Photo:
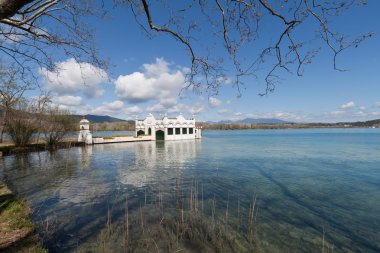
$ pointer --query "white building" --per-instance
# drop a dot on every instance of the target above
(166, 129)
(84, 132)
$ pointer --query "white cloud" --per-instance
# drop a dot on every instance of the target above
(214, 102)
(225, 111)
(228, 102)
(197, 108)
(278, 115)
(133, 110)
(377, 104)
(156, 82)
(157, 68)
(67, 100)
(336, 113)
(70, 77)
(115, 105)
(108, 108)
(234, 115)
(360, 114)
(348, 105)
(156, 108)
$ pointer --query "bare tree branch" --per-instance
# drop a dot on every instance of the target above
(237, 31)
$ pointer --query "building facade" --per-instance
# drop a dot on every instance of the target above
(84, 131)
(167, 129)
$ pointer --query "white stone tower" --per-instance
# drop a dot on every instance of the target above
(84, 132)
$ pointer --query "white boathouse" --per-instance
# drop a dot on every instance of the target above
(167, 129)
(149, 129)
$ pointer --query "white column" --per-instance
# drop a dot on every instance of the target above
(153, 133)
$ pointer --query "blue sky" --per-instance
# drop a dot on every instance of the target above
(147, 75)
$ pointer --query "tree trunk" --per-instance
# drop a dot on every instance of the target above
(2, 125)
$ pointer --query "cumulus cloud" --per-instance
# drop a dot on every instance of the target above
(159, 108)
(196, 108)
(133, 110)
(214, 102)
(67, 100)
(70, 77)
(156, 82)
(348, 105)
(109, 108)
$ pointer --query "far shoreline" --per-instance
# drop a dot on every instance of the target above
(7, 149)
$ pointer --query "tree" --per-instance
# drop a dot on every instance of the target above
(32, 31)
(234, 25)
(22, 123)
(12, 90)
(55, 125)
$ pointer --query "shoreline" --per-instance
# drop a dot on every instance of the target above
(7, 149)
(10, 149)
(17, 231)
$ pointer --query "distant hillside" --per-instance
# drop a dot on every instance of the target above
(263, 121)
(100, 119)
(280, 124)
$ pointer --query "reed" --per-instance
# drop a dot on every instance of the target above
(192, 223)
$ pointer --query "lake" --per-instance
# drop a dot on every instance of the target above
(308, 190)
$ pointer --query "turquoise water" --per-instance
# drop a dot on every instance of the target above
(316, 190)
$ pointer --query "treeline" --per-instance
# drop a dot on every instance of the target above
(36, 121)
(242, 126)
(28, 120)
(369, 123)
(114, 126)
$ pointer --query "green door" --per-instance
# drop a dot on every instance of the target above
(160, 135)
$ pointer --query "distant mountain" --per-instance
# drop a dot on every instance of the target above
(100, 119)
(253, 121)
(263, 121)
(225, 122)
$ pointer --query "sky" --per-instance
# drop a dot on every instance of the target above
(147, 75)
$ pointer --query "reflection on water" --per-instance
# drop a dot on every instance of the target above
(169, 156)
(315, 189)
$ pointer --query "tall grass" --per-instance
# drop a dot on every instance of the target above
(190, 223)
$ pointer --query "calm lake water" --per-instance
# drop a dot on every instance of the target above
(313, 190)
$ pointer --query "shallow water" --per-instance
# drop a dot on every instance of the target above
(318, 190)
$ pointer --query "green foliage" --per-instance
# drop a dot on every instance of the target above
(17, 233)
(17, 209)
